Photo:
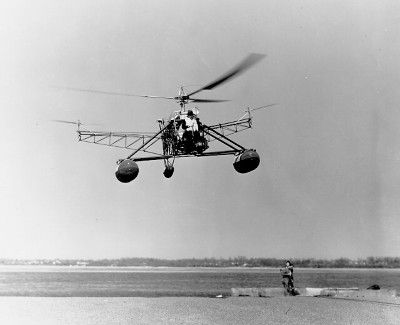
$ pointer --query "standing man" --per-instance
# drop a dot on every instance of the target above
(287, 275)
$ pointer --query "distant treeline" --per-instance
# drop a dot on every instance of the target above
(370, 262)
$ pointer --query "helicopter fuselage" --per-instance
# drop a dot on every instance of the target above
(181, 138)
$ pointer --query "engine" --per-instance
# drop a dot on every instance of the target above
(247, 161)
(127, 171)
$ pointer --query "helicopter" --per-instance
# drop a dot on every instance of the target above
(182, 134)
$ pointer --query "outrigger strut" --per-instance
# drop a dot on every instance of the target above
(146, 143)
(230, 143)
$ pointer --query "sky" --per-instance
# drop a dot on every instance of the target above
(328, 184)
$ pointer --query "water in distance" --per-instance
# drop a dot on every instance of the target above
(156, 282)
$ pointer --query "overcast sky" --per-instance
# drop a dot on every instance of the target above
(329, 180)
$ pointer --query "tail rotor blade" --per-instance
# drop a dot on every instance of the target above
(261, 107)
(79, 123)
(67, 122)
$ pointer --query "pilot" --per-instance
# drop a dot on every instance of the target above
(191, 127)
(191, 122)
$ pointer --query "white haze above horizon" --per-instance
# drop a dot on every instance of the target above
(328, 184)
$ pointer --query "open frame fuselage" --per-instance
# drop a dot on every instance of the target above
(178, 141)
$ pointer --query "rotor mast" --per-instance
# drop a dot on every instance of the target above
(183, 99)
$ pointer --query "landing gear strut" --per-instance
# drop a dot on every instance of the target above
(169, 168)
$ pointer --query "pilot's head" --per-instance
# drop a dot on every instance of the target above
(190, 113)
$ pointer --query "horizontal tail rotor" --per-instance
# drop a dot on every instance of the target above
(249, 110)
(261, 107)
(78, 123)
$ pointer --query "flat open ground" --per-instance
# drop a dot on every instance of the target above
(177, 310)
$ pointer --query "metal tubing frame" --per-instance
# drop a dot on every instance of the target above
(207, 129)
(113, 139)
(236, 148)
(237, 123)
(206, 154)
(147, 142)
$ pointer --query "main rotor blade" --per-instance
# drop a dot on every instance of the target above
(198, 100)
(250, 60)
(111, 93)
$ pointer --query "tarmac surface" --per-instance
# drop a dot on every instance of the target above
(193, 310)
